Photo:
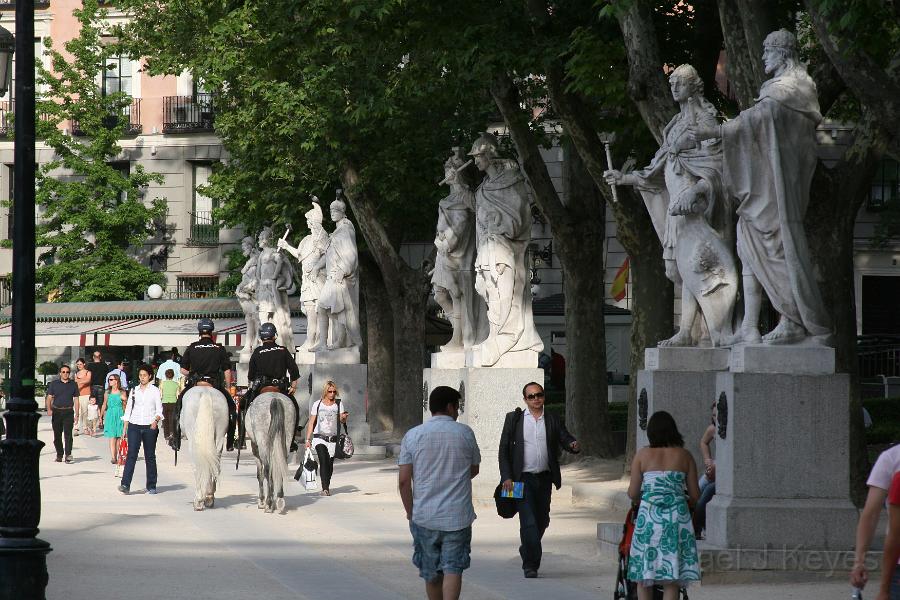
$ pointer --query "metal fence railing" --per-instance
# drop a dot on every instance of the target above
(204, 230)
(188, 114)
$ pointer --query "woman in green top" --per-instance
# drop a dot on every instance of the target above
(111, 414)
(169, 389)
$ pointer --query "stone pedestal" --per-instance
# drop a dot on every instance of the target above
(521, 359)
(448, 359)
(681, 381)
(782, 455)
(487, 395)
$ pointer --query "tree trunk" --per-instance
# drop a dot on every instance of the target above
(409, 301)
(652, 318)
(835, 199)
(379, 344)
(582, 249)
(408, 298)
(652, 293)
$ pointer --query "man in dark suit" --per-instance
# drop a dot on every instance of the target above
(529, 452)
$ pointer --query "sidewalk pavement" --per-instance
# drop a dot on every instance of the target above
(354, 544)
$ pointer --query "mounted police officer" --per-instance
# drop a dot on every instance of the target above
(272, 367)
(206, 362)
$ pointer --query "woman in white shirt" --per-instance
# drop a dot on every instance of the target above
(322, 432)
(143, 414)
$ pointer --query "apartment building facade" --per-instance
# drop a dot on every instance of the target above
(170, 130)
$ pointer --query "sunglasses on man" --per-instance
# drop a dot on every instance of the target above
(535, 395)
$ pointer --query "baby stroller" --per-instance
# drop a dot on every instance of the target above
(627, 590)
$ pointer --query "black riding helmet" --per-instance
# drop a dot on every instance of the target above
(267, 331)
(206, 326)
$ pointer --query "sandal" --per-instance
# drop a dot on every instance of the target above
(326, 493)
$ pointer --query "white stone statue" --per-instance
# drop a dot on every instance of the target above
(503, 230)
(338, 304)
(275, 281)
(452, 277)
(682, 189)
(309, 254)
(769, 152)
(246, 294)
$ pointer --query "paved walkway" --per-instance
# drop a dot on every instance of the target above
(355, 544)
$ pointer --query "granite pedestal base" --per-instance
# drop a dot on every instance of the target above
(682, 382)
(782, 461)
(487, 395)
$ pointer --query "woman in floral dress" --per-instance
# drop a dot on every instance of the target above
(663, 549)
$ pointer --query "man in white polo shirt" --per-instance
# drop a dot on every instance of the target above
(438, 460)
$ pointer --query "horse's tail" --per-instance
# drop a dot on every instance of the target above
(206, 454)
(277, 451)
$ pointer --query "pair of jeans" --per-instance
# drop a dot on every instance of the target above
(168, 416)
(326, 465)
(138, 435)
(62, 420)
(534, 517)
(706, 494)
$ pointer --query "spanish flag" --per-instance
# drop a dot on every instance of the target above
(620, 282)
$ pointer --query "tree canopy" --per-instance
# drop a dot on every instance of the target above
(93, 218)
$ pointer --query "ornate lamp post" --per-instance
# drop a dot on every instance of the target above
(23, 557)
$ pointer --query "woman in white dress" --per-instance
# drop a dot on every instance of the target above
(322, 431)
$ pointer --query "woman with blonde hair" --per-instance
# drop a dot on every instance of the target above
(322, 432)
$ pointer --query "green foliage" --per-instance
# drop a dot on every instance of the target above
(48, 367)
(93, 217)
(309, 88)
(885, 413)
(236, 260)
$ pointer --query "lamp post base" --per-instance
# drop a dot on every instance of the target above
(23, 568)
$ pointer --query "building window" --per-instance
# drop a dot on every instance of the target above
(117, 75)
(124, 169)
(204, 230)
(10, 217)
(5, 290)
(885, 185)
(197, 286)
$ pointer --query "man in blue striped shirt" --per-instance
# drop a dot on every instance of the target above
(441, 456)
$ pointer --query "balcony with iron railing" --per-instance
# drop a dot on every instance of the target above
(204, 230)
(129, 116)
(188, 114)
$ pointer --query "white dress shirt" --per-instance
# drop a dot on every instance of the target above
(534, 431)
(144, 405)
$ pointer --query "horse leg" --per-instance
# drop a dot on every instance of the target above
(259, 477)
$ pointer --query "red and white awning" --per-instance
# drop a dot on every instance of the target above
(135, 332)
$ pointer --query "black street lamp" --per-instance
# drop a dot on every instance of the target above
(23, 557)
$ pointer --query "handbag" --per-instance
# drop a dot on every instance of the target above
(310, 469)
(343, 447)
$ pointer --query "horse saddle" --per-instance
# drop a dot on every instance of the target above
(269, 388)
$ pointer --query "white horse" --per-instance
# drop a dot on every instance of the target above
(270, 421)
(204, 420)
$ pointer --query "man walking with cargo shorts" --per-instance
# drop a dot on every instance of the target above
(441, 456)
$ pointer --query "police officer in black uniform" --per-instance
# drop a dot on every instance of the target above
(206, 360)
(272, 365)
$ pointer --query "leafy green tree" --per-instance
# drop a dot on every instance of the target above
(48, 367)
(321, 95)
(93, 220)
